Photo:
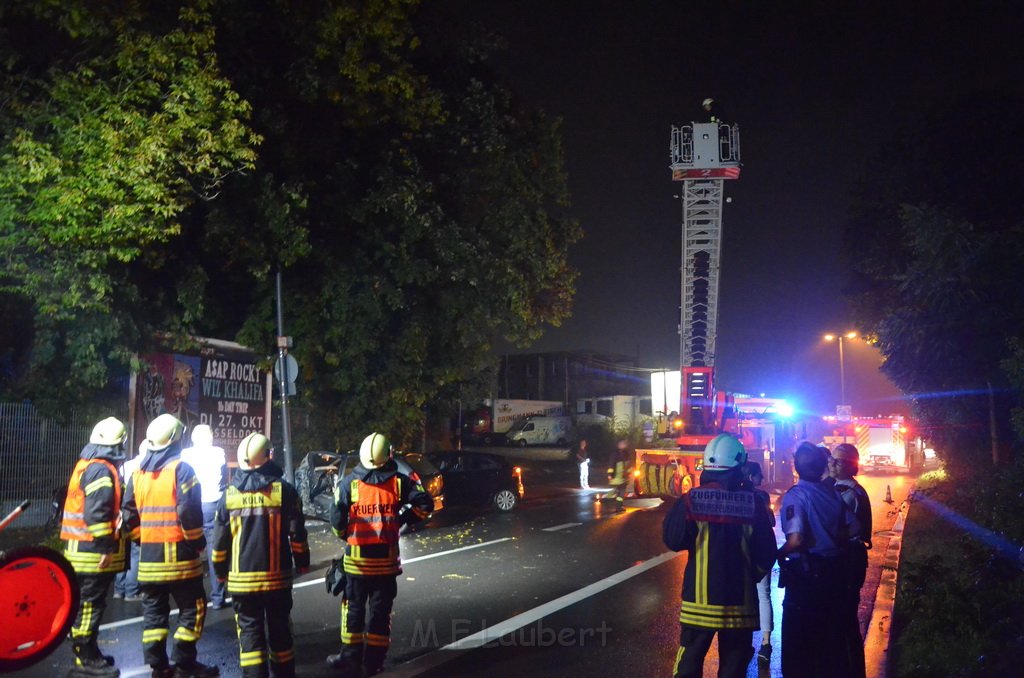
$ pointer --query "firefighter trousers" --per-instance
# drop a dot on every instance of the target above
(190, 597)
(265, 633)
(93, 589)
(366, 620)
(734, 652)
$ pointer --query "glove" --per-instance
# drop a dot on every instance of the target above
(334, 580)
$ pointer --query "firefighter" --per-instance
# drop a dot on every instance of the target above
(619, 474)
(843, 465)
(259, 533)
(713, 110)
(163, 511)
(370, 506)
(729, 536)
(91, 529)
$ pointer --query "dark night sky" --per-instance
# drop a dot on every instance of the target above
(816, 88)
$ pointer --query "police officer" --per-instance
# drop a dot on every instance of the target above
(728, 532)
(370, 505)
(163, 511)
(259, 532)
(91, 529)
(844, 464)
(817, 526)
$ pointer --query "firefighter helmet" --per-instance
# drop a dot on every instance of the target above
(723, 453)
(375, 451)
(254, 451)
(163, 432)
(109, 432)
(202, 435)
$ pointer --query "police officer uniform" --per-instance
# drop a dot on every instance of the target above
(91, 530)
(817, 527)
(259, 532)
(163, 511)
(368, 510)
(728, 532)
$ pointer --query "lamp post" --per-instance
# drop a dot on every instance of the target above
(842, 367)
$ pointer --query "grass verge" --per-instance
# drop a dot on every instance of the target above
(960, 599)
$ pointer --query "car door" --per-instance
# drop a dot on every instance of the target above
(483, 474)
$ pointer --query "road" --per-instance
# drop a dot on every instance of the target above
(561, 586)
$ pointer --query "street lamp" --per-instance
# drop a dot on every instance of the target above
(842, 369)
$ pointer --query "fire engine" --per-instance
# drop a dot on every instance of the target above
(881, 441)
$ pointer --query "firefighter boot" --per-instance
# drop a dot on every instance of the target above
(345, 664)
(90, 662)
(195, 670)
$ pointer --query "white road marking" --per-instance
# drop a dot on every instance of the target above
(563, 526)
(494, 633)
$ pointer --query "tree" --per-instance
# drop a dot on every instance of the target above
(112, 127)
(416, 210)
(932, 248)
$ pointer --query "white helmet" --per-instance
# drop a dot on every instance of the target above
(110, 432)
(202, 436)
(723, 453)
(707, 102)
(163, 432)
(375, 451)
(253, 452)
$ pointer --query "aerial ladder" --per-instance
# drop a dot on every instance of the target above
(703, 156)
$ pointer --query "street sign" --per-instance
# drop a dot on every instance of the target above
(291, 369)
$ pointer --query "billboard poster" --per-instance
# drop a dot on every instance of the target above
(220, 385)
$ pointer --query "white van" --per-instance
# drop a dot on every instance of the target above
(542, 431)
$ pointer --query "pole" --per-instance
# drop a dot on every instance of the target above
(842, 373)
(282, 354)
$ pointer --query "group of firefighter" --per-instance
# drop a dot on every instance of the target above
(259, 543)
(727, 524)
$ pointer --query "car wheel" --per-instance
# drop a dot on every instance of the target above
(522, 442)
(505, 500)
(561, 442)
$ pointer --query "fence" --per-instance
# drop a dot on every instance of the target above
(37, 455)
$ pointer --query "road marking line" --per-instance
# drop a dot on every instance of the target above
(560, 527)
(458, 648)
(313, 582)
(495, 632)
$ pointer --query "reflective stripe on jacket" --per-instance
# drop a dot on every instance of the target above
(731, 543)
(373, 525)
(91, 522)
(167, 522)
(257, 536)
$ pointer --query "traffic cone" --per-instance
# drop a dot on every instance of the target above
(888, 495)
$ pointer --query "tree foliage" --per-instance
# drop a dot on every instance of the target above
(935, 242)
(415, 209)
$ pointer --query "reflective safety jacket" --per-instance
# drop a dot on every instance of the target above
(259, 532)
(370, 506)
(91, 526)
(163, 512)
(728, 532)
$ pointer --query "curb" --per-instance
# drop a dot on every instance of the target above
(876, 644)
